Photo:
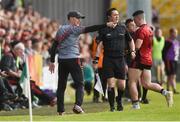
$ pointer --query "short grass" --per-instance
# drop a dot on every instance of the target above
(157, 110)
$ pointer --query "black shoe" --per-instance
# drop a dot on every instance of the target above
(104, 99)
(96, 100)
(120, 107)
(61, 113)
(119, 104)
(145, 101)
(112, 109)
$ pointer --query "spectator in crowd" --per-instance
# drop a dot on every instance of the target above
(8, 4)
(10, 64)
(7, 96)
(6, 92)
(155, 16)
(171, 56)
(25, 25)
(158, 45)
(45, 54)
(28, 47)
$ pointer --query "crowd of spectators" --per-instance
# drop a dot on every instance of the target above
(35, 32)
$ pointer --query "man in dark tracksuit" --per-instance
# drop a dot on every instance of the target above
(66, 42)
(113, 40)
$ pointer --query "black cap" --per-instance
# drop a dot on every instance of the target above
(14, 43)
(75, 14)
(138, 12)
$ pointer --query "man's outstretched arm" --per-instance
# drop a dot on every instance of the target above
(79, 29)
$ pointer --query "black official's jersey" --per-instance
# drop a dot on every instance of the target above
(114, 40)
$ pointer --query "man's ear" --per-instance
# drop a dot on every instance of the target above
(108, 17)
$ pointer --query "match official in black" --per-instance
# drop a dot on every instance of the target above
(113, 42)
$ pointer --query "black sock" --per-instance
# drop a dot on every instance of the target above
(161, 91)
(120, 94)
(111, 96)
(135, 101)
(144, 93)
(139, 90)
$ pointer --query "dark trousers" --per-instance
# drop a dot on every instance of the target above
(71, 66)
(2, 87)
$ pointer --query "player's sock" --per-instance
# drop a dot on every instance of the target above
(144, 93)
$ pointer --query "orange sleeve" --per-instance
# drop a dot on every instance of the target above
(94, 48)
(100, 62)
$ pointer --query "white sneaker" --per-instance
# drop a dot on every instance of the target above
(169, 98)
(78, 110)
(136, 106)
(34, 105)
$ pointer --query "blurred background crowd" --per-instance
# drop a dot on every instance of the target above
(34, 23)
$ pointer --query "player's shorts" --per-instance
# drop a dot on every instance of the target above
(170, 67)
(137, 65)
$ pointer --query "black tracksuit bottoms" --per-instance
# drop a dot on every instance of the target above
(73, 67)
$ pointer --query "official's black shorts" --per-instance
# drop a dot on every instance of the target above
(114, 67)
(170, 67)
(137, 65)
